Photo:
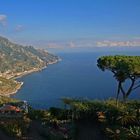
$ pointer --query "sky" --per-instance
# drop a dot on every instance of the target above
(43, 21)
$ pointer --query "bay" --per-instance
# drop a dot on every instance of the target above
(76, 76)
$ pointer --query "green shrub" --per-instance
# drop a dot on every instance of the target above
(17, 127)
(134, 132)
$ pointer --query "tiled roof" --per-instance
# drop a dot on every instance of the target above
(10, 108)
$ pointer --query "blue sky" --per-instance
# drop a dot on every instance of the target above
(32, 20)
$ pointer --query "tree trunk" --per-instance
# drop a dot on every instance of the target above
(128, 92)
(118, 92)
(130, 88)
(123, 92)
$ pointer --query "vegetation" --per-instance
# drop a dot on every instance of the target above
(4, 100)
(15, 127)
(16, 58)
(124, 68)
(122, 122)
(55, 126)
(117, 122)
(8, 86)
(113, 122)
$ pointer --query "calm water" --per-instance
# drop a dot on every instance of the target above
(75, 76)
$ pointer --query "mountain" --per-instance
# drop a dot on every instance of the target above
(15, 58)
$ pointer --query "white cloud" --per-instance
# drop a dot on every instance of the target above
(3, 19)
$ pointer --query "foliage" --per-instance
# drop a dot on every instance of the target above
(55, 123)
(8, 86)
(35, 114)
(82, 109)
(58, 130)
(117, 133)
(60, 114)
(134, 132)
(127, 119)
(118, 122)
(15, 127)
(4, 100)
(115, 120)
(124, 68)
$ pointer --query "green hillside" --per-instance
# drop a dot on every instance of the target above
(17, 58)
(8, 86)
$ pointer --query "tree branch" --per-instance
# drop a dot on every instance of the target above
(136, 87)
(118, 92)
(131, 87)
(137, 83)
(122, 90)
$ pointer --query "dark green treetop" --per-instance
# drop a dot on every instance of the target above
(124, 68)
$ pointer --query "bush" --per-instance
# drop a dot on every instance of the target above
(15, 127)
(134, 132)
(60, 114)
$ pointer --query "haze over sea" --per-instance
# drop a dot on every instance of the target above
(77, 76)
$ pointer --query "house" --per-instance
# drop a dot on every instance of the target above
(14, 110)
(9, 110)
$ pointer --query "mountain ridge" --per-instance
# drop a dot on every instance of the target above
(18, 60)
(15, 58)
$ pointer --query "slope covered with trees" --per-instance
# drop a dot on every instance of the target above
(17, 58)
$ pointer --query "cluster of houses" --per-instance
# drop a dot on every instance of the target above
(14, 110)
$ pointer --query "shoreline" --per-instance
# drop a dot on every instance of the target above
(14, 92)
(34, 70)
(28, 72)
(21, 74)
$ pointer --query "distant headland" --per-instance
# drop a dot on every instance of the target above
(17, 60)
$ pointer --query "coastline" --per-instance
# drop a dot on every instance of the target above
(21, 74)
(14, 92)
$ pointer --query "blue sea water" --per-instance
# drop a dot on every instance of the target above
(77, 76)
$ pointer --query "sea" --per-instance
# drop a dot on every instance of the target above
(76, 76)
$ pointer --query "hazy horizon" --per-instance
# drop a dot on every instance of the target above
(69, 24)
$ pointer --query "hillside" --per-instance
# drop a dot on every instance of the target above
(5, 99)
(16, 58)
(8, 86)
